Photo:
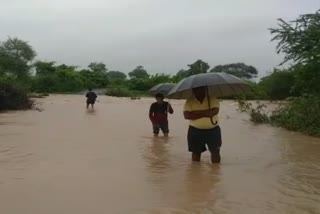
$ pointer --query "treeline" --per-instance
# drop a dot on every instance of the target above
(17, 66)
(52, 78)
(19, 71)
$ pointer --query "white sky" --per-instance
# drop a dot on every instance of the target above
(163, 36)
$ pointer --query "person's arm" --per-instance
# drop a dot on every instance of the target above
(170, 109)
(194, 115)
(190, 114)
(151, 113)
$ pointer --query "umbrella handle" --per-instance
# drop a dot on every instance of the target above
(207, 92)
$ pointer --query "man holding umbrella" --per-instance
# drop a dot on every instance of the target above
(204, 125)
(202, 108)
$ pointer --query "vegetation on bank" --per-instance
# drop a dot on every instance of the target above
(299, 41)
(13, 95)
(15, 62)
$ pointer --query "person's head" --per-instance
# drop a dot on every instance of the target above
(159, 97)
(199, 92)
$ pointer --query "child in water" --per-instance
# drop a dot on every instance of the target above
(158, 115)
(91, 98)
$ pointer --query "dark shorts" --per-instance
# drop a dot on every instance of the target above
(163, 126)
(199, 138)
(91, 102)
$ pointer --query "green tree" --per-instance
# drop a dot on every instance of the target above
(278, 85)
(116, 75)
(98, 67)
(43, 67)
(240, 70)
(66, 67)
(139, 73)
(15, 57)
(256, 92)
(181, 75)
(299, 41)
(198, 67)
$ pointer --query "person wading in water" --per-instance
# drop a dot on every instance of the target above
(202, 113)
(91, 98)
(158, 115)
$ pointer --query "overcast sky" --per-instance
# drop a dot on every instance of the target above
(162, 35)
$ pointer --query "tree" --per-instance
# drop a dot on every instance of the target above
(299, 39)
(240, 70)
(116, 75)
(15, 57)
(198, 67)
(182, 74)
(98, 67)
(66, 67)
(43, 67)
(279, 84)
(139, 73)
(300, 43)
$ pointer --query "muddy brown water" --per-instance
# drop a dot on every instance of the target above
(69, 160)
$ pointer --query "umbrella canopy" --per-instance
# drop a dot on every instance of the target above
(219, 85)
(162, 88)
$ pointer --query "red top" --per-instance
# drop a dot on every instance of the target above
(159, 112)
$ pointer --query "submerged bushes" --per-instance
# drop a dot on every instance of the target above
(300, 114)
(296, 114)
(13, 96)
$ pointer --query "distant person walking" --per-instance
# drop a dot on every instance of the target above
(158, 115)
(91, 98)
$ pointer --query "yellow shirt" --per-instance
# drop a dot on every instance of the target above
(194, 105)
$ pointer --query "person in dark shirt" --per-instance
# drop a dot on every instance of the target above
(91, 98)
(158, 115)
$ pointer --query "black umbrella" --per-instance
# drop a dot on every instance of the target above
(218, 84)
(162, 88)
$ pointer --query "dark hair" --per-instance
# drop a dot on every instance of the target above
(159, 95)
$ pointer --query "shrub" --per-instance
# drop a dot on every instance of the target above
(299, 114)
(13, 96)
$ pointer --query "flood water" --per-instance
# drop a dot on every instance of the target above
(67, 160)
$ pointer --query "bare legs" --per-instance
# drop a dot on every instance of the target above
(215, 157)
(196, 157)
(164, 134)
(92, 105)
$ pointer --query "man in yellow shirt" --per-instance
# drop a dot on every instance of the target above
(204, 125)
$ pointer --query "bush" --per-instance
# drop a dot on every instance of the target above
(278, 85)
(119, 92)
(61, 81)
(13, 96)
(296, 114)
(299, 114)
(257, 115)
(125, 92)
